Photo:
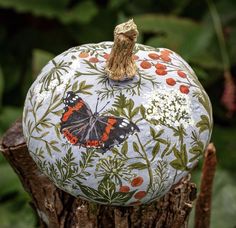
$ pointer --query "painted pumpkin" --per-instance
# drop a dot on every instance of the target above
(117, 123)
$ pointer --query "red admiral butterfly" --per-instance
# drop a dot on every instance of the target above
(83, 128)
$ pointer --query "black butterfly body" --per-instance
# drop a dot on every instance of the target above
(83, 128)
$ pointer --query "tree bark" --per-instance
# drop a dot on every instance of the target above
(56, 208)
(203, 203)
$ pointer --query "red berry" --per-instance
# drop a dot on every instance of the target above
(106, 56)
(137, 181)
(184, 89)
(135, 57)
(124, 188)
(161, 72)
(140, 195)
(181, 74)
(170, 81)
(145, 65)
(166, 52)
(93, 60)
(83, 54)
(165, 58)
(153, 56)
(160, 66)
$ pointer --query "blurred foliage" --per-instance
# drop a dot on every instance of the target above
(32, 32)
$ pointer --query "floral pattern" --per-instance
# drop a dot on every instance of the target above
(165, 100)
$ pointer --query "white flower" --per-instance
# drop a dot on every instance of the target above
(169, 107)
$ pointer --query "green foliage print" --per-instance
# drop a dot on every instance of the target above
(66, 170)
(180, 152)
(110, 89)
(206, 121)
(197, 146)
(39, 127)
(125, 107)
(82, 87)
(114, 168)
(160, 177)
(54, 75)
(106, 193)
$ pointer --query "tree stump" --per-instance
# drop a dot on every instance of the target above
(56, 208)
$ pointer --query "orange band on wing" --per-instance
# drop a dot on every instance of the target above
(93, 143)
(70, 110)
(110, 123)
(71, 138)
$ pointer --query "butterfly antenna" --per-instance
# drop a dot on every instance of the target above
(96, 109)
(104, 106)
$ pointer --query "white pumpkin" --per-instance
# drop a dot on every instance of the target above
(117, 127)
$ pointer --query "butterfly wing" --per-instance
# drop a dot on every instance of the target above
(75, 119)
(82, 128)
(109, 131)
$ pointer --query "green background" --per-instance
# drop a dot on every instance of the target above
(32, 32)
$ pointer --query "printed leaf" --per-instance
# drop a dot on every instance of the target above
(75, 86)
(122, 197)
(204, 123)
(83, 88)
(197, 150)
(181, 158)
(155, 150)
(135, 146)
(184, 155)
(124, 148)
(90, 192)
(152, 132)
(142, 111)
(205, 102)
(48, 149)
(134, 112)
(138, 165)
(177, 164)
(107, 187)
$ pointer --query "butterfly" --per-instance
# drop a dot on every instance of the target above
(82, 127)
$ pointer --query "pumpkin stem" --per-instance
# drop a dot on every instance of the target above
(121, 65)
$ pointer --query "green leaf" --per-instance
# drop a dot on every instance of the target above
(136, 147)
(181, 160)
(184, 155)
(55, 148)
(142, 111)
(152, 132)
(89, 192)
(107, 187)
(197, 150)
(124, 148)
(155, 150)
(115, 150)
(48, 149)
(75, 86)
(177, 164)
(134, 112)
(204, 100)
(122, 197)
(204, 123)
(138, 165)
(83, 88)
